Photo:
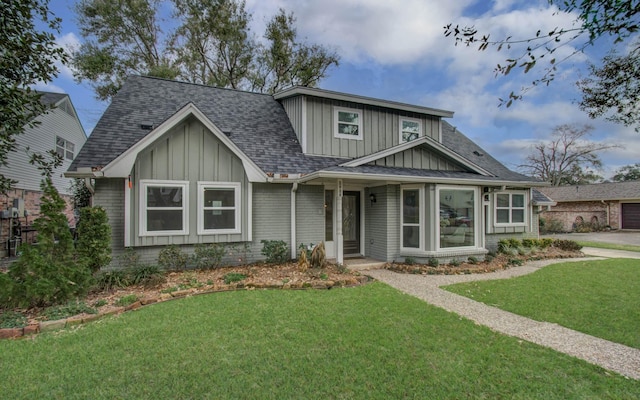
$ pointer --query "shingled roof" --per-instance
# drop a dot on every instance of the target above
(600, 191)
(256, 123)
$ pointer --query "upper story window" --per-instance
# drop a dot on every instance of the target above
(164, 208)
(218, 207)
(65, 148)
(410, 129)
(347, 123)
(510, 208)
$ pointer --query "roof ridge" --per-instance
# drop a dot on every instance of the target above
(197, 84)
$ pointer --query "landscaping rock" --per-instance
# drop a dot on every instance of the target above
(47, 326)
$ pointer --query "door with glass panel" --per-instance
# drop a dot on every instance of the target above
(351, 222)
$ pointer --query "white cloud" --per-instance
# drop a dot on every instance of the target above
(70, 43)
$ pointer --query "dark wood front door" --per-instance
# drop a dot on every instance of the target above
(351, 222)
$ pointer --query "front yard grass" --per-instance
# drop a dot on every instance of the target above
(600, 298)
(612, 246)
(367, 342)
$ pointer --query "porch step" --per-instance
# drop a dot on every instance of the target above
(362, 264)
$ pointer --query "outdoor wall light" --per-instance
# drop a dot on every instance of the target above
(372, 197)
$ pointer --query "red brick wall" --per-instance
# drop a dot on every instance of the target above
(32, 200)
(567, 213)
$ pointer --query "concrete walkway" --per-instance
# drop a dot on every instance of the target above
(615, 357)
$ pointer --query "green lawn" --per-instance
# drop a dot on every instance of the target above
(601, 298)
(613, 246)
(369, 342)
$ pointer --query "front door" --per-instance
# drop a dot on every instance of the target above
(351, 222)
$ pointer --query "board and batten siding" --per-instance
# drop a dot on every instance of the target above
(41, 139)
(189, 152)
(419, 158)
(380, 126)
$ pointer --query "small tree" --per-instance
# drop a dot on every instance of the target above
(94, 238)
(627, 173)
(47, 273)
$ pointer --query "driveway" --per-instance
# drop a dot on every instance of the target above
(616, 237)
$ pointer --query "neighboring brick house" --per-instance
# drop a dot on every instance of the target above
(59, 129)
(615, 205)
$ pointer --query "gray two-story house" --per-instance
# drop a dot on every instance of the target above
(187, 164)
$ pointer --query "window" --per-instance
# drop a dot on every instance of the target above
(457, 210)
(510, 209)
(218, 207)
(164, 208)
(347, 123)
(410, 129)
(65, 148)
(328, 215)
(411, 213)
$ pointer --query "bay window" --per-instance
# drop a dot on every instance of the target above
(457, 217)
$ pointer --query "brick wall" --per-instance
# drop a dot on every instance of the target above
(607, 213)
(32, 200)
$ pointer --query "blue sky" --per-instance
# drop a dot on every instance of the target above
(396, 50)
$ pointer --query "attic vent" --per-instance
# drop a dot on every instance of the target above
(227, 132)
(147, 126)
(476, 152)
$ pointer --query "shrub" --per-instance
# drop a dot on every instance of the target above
(550, 225)
(234, 277)
(566, 245)
(126, 300)
(68, 310)
(146, 275)
(515, 262)
(109, 280)
(318, 256)
(546, 242)
(472, 260)
(275, 251)
(208, 256)
(529, 243)
(172, 258)
(433, 262)
(94, 237)
(12, 319)
(455, 262)
(409, 260)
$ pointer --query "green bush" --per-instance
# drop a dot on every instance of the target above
(546, 242)
(94, 237)
(455, 262)
(472, 260)
(566, 245)
(433, 262)
(234, 277)
(68, 310)
(550, 225)
(275, 251)
(172, 258)
(12, 319)
(109, 280)
(409, 260)
(208, 256)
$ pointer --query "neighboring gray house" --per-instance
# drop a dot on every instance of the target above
(180, 163)
(612, 204)
(58, 129)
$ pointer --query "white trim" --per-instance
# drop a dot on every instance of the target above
(142, 206)
(400, 127)
(510, 208)
(303, 132)
(425, 140)
(327, 94)
(477, 211)
(249, 212)
(421, 218)
(294, 247)
(337, 122)
(237, 207)
(127, 214)
(121, 166)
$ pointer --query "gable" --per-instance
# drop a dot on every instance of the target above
(419, 158)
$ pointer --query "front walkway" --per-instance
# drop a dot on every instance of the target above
(615, 357)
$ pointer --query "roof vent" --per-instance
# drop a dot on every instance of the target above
(147, 126)
(476, 152)
(227, 132)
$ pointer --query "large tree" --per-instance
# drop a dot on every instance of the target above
(627, 173)
(121, 38)
(568, 158)
(210, 43)
(612, 88)
(27, 56)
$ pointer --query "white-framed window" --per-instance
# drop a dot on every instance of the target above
(164, 208)
(410, 129)
(65, 148)
(457, 212)
(510, 209)
(218, 208)
(347, 123)
(411, 217)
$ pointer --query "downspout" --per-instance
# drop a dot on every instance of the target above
(294, 189)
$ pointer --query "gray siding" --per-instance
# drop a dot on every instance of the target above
(271, 214)
(40, 139)
(380, 129)
(382, 229)
(293, 106)
(190, 153)
(309, 214)
(110, 195)
(419, 158)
